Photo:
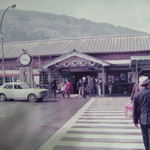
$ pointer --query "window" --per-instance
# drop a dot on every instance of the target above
(17, 87)
(25, 86)
(8, 79)
(66, 64)
(58, 64)
(83, 62)
(74, 63)
(92, 63)
(8, 86)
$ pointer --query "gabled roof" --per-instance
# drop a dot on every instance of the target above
(100, 44)
(78, 54)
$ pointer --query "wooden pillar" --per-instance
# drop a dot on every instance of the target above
(136, 71)
(103, 81)
(26, 75)
(49, 81)
(22, 74)
(39, 61)
(30, 77)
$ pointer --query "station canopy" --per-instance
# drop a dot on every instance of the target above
(141, 62)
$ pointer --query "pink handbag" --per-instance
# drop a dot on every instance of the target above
(129, 109)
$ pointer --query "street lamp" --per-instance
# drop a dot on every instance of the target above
(1, 34)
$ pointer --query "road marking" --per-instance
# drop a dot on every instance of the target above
(91, 128)
(106, 130)
(53, 141)
(104, 124)
(104, 136)
(100, 117)
(106, 120)
(102, 144)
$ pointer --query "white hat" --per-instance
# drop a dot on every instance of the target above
(143, 80)
(83, 78)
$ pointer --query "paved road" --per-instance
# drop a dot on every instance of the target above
(68, 124)
(26, 126)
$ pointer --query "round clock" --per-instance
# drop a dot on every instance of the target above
(25, 59)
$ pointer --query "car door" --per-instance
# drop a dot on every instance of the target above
(8, 91)
(19, 92)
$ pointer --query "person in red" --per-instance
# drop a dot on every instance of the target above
(68, 88)
(136, 88)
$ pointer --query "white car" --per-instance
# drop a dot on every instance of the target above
(21, 91)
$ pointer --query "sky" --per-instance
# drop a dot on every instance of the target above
(133, 14)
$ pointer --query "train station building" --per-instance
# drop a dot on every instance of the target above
(116, 59)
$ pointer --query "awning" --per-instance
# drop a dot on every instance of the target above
(147, 57)
(15, 73)
(119, 62)
(140, 61)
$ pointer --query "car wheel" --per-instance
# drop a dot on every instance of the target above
(32, 98)
(3, 97)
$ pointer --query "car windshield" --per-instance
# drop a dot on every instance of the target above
(25, 86)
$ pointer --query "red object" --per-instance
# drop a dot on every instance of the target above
(68, 89)
(129, 110)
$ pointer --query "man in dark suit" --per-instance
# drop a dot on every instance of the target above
(141, 110)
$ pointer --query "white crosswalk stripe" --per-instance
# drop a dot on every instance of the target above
(94, 129)
(105, 132)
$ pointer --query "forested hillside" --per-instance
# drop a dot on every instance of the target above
(21, 25)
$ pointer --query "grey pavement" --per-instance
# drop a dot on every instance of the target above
(68, 124)
(26, 126)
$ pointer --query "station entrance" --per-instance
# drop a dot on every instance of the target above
(73, 66)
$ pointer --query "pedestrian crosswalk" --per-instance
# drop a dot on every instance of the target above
(97, 128)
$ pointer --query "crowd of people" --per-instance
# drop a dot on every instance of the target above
(92, 87)
(82, 87)
(64, 88)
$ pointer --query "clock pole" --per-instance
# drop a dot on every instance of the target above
(26, 72)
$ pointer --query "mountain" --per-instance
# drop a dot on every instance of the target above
(19, 25)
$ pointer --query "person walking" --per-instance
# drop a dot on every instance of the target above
(92, 87)
(110, 87)
(68, 88)
(99, 87)
(84, 87)
(54, 88)
(79, 87)
(129, 106)
(62, 88)
(135, 89)
(141, 110)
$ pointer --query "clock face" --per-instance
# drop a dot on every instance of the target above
(25, 59)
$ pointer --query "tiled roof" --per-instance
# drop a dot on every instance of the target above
(106, 44)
